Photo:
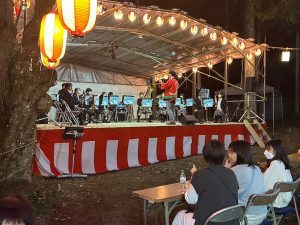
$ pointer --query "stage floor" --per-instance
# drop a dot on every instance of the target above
(134, 124)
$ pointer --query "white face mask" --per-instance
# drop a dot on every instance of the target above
(268, 155)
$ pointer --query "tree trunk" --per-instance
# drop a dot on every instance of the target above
(28, 83)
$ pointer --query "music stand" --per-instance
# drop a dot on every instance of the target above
(73, 133)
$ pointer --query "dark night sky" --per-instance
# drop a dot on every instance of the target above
(280, 75)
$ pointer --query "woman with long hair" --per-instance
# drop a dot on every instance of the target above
(278, 171)
(249, 177)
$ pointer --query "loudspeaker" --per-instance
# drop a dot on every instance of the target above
(250, 84)
(188, 120)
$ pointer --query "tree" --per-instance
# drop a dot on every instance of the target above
(23, 87)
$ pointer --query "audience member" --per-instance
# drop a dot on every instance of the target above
(249, 177)
(212, 188)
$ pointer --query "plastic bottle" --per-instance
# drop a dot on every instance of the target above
(183, 182)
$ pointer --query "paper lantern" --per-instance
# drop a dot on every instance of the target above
(77, 16)
(49, 65)
(204, 31)
(159, 21)
(213, 36)
(183, 24)
(132, 16)
(224, 40)
(146, 18)
(172, 20)
(52, 37)
(194, 30)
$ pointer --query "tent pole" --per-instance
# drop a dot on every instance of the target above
(273, 112)
(282, 124)
(226, 79)
(264, 79)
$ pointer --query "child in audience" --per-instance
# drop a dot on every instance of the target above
(249, 177)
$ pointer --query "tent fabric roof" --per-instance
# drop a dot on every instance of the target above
(75, 73)
(236, 91)
(136, 49)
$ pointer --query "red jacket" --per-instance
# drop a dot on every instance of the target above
(170, 89)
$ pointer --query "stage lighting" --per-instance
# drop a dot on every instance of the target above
(172, 20)
(204, 31)
(118, 14)
(194, 30)
(285, 56)
(159, 21)
(146, 18)
(257, 52)
(235, 41)
(224, 40)
(229, 60)
(242, 46)
(183, 24)
(179, 75)
(249, 56)
(132, 16)
(210, 65)
(213, 36)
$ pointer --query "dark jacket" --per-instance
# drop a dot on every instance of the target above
(68, 98)
(217, 188)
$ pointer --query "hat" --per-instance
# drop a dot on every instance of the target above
(172, 72)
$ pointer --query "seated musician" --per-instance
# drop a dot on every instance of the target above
(220, 107)
(181, 109)
(104, 109)
(62, 91)
(76, 96)
(68, 98)
(89, 105)
(162, 111)
(199, 109)
(143, 110)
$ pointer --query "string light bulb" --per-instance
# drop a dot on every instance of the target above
(183, 24)
(118, 14)
(210, 65)
(249, 56)
(235, 41)
(159, 21)
(204, 31)
(101, 9)
(195, 69)
(132, 16)
(213, 36)
(224, 40)
(179, 75)
(285, 56)
(172, 20)
(242, 46)
(194, 30)
(257, 52)
(146, 18)
(229, 60)
(166, 76)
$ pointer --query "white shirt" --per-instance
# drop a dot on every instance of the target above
(191, 195)
(219, 104)
(277, 173)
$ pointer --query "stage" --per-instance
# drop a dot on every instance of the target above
(117, 146)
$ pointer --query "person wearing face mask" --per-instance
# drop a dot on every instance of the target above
(278, 171)
(249, 177)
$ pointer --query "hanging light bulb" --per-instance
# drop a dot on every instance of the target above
(101, 9)
(285, 56)
(172, 20)
(27, 3)
(229, 60)
(183, 24)
(194, 30)
(213, 36)
(166, 76)
(159, 21)
(210, 65)
(195, 69)
(179, 75)
(77, 16)
(249, 56)
(204, 31)
(224, 40)
(242, 46)
(118, 14)
(235, 41)
(257, 52)
(132, 16)
(146, 18)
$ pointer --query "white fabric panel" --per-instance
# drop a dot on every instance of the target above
(170, 148)
(112, 155)
(241, 137)
(214, 137)
(227, 141)
(61, 157)
(187, 146)
(201, 143)
(133, 153)
(88, 157)
(43, 162)
(152, 150)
